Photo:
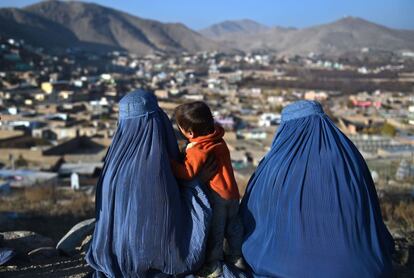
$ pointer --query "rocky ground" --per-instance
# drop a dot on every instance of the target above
(404, 254)
(39, 256)
(34, 231)
(36, 255)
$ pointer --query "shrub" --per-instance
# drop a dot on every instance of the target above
(388, 129)
(39, 193)
(399, 214)
(21, 162)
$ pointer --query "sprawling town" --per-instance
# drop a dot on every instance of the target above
(59, 111)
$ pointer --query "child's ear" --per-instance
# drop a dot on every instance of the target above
(191, 134)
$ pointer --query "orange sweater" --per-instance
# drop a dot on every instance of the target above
(223, 182)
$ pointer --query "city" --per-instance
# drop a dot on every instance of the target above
(59, 111)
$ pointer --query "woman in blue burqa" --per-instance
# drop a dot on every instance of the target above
(311, 209)
(147, 225)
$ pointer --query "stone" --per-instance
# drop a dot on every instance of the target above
(43, 253)
(69, 243)
(22, 242)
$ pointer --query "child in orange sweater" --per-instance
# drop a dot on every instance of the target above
(196, 123)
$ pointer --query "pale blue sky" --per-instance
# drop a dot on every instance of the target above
(299, 13)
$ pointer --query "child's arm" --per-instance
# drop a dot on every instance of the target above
(193, 161)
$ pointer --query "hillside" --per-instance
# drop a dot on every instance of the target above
(345, 35)
(233, 27)
(63, 24)
(79, 24)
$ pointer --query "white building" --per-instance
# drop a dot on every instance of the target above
(74, 181)
(269, 119)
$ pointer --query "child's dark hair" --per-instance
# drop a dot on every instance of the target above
(195, 116)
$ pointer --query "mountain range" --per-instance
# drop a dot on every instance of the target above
(62, 24)
(232, 27)
(80, 24)
(345, 35)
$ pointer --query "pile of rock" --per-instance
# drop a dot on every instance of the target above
(28, 245)
(26, 249)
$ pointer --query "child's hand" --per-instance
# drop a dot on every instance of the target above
(208, 170)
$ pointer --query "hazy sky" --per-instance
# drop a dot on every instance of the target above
(298, 13)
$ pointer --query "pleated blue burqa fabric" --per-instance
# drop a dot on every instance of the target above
(311, 209)
(147, 225)
(6, 254)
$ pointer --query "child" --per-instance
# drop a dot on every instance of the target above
(196, 123)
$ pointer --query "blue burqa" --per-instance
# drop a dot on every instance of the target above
(147, 225)
(311, 209)
(6, 254)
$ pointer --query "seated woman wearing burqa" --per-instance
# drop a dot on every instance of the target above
(147, 225)
(311, 209)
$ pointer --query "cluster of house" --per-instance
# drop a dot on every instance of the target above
(59, 111)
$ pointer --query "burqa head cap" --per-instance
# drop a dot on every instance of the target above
(137, 103)
(300, 109)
